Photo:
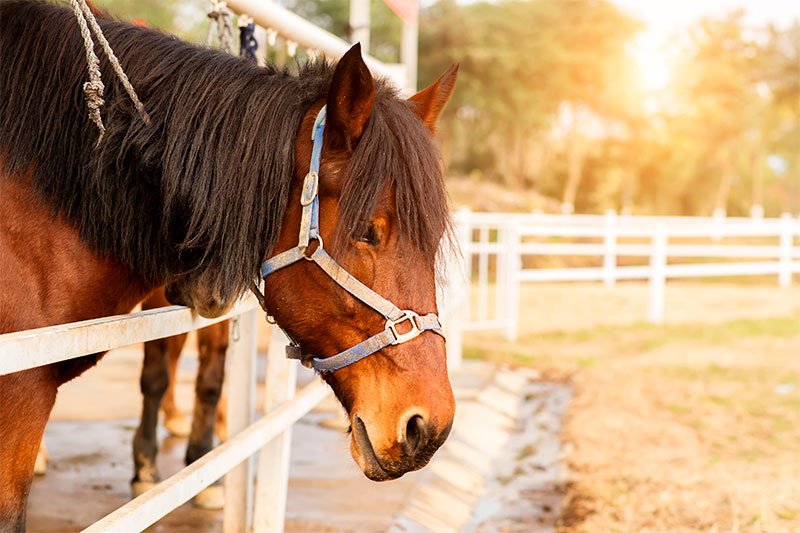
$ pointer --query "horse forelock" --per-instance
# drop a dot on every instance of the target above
(203, 187)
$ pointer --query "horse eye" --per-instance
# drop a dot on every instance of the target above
(370, 236)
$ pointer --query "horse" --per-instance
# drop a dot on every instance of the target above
(157, 384)
(200, 197)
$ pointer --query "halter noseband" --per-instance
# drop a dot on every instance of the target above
(309, 230)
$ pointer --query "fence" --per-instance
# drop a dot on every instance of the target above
(497, 246)
(300, 32)
(271, 434)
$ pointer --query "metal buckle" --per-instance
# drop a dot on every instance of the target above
(310, 187)
(414, 332)
(310, 257)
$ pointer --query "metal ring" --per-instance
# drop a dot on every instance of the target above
(310, 257)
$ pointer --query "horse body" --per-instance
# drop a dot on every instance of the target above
(197, 198)
(49, 277)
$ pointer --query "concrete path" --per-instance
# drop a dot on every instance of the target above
(498, 471)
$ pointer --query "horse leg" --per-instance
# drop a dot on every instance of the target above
(222, 418)
(175, 420)
(212, 345)
(153, 383)
(27, 398)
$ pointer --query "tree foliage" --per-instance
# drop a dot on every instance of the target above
(549, 99)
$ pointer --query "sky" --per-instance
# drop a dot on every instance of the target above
(666, 18)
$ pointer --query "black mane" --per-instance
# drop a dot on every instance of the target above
(204, 186)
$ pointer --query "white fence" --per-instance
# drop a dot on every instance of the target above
(300, 32)
(271, 434)
(497, 246)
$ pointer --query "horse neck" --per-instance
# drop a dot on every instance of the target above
(50, 275)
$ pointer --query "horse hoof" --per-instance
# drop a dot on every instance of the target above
(212, 497)
(40, 467)
(178, 426)
(140, 487)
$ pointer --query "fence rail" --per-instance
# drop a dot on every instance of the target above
(269, 14)
(498, 249)
(43, 346)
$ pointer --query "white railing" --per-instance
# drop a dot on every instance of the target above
(496, 247)
(303, 33)
(271, 434)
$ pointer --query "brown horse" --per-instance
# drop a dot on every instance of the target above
(157, 383)
(159, 371)
(197, 198)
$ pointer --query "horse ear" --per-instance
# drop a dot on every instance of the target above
(350, 97)
(429, 103)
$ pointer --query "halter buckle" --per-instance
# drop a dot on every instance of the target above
(310, 256)
(400, 338)
(310, 188)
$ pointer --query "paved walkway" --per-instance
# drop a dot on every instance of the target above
(498, 470)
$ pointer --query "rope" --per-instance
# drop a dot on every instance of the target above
(221, 19)
(93, 89)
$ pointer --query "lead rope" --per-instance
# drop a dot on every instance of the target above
(93, 89)
(220, 17)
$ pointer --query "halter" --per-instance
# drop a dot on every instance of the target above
(309, 231)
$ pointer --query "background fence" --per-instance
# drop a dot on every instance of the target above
(501, 251)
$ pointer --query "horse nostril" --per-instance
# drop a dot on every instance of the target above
(416, 434)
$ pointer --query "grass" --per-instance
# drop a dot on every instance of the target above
(683, 427)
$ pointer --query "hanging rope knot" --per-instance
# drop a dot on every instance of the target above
(93, 93)
(221, 17)
(94, 88)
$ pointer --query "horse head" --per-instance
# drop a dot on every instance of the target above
(382, 214)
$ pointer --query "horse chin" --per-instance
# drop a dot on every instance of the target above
(364, 455)
(205, 307)
(211, 310)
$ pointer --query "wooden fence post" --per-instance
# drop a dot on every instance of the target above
(513, 286)
(786, 245)
(240, 385)
(610, 249)
(273, 459)
(455, 306)
(658, 278)
(483, 273)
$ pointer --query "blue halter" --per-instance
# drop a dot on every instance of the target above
(309, 231)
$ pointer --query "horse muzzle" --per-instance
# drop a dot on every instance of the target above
(412, 449)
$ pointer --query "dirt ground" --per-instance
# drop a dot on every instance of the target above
(690, 426)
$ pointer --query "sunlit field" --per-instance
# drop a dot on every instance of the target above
(689, 426)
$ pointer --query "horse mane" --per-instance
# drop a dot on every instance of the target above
(203, 187)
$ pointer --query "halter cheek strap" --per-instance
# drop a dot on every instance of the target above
(309, 231)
